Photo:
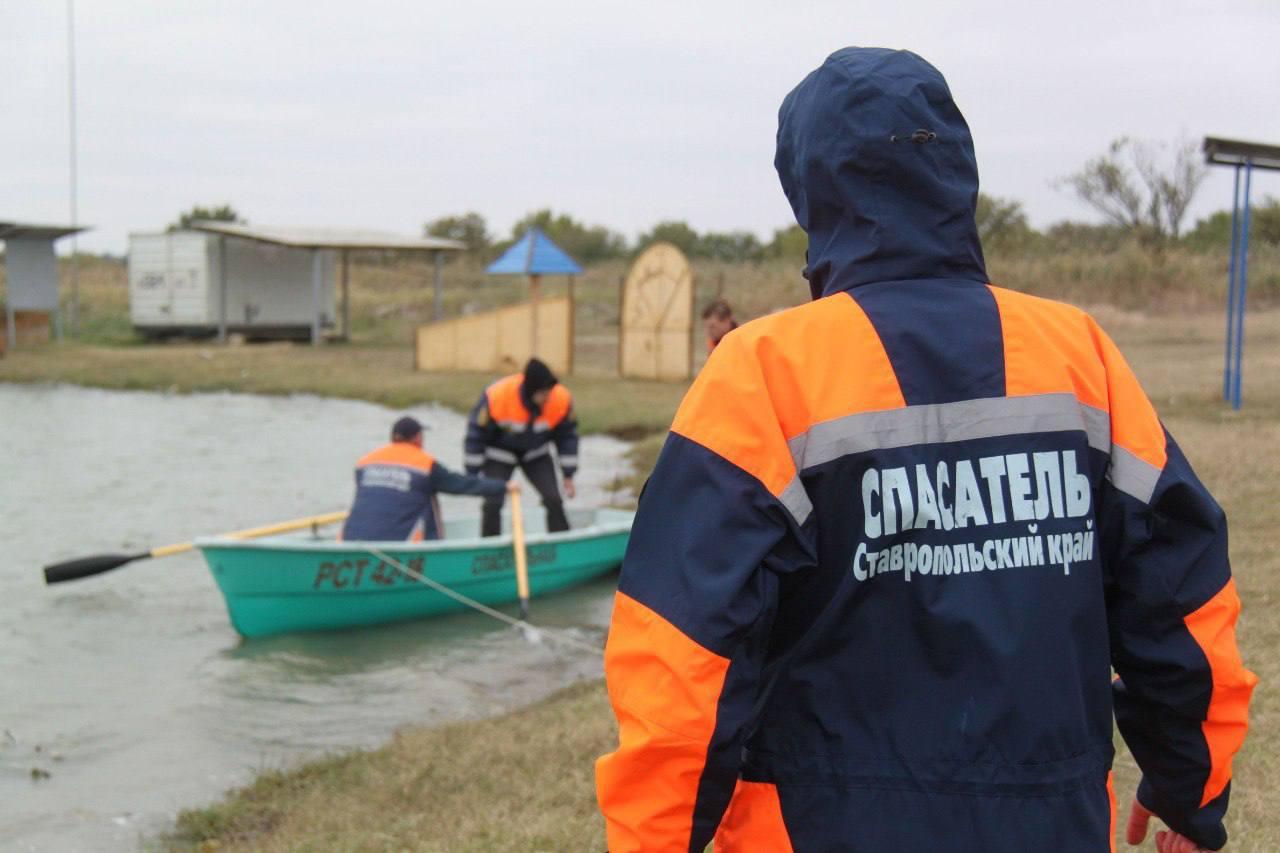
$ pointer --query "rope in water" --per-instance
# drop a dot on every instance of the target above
(562, 636)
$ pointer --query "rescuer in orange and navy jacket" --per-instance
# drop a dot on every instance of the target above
(899, 538)
(514, 424)
(396, 486)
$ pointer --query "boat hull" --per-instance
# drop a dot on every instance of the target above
(289, 584)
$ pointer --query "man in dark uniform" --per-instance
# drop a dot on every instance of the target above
(396, 488)
(899, 539)
(515, 423)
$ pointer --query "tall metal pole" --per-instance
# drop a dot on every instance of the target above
(1243, 287)
(1231, 290)
(222, 289)
(317, 268)
(71, 110)
(346, 300)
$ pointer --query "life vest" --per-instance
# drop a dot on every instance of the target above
(509, 413)
(394, 500)
(502, 428)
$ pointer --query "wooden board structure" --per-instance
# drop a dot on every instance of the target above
(30, 327)
(500, 340)
(656, 328)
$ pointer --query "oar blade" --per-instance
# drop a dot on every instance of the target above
(83, 567)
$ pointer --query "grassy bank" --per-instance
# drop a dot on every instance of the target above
(391, 299)
(378, 374)
(514, 782)
(523, 781)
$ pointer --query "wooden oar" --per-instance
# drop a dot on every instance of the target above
(522, 563)
(83, 567)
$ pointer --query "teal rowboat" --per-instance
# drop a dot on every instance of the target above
(295, 582)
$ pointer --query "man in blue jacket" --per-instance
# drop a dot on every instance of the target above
(899, 538)
(396, 487)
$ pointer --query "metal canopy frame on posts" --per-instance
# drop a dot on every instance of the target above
(1244, 157)
(318, 240)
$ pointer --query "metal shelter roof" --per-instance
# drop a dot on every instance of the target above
(1234, 152)
(328, 238)
(15, 230)
(534, 254)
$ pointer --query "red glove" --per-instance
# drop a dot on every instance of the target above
(1167, 841)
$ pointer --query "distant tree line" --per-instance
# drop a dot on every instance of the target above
(212, 213)
(1215, 231)
(590, 243)
(1002, 226)
(1141, 189)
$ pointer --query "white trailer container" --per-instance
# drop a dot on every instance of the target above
(193, 282)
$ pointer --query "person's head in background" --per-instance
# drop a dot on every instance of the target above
(538, 381)
(407, 430)
(717, 321)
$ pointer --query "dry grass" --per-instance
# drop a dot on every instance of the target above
(391, 298)
(523, 781)
(1133, 279)
(1237, 454)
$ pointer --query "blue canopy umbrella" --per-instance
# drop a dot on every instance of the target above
(535, 255)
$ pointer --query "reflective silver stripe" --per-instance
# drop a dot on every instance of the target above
(417, 469)
(569, 461)
(511, 425)
(1132, 474)
(541, 426)
(500, 455)
(796, 500)
(540, 450)
(940, 423)
(473, 459)
(1098, 424)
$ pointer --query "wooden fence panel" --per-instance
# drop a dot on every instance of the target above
(500, 340)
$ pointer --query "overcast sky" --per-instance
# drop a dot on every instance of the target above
(387, 114)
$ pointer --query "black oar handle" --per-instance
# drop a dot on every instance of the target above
(84, 567)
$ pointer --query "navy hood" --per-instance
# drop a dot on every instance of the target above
(878, 165)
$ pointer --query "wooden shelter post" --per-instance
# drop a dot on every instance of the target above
(535, 287)
(222, 290)
(573, 323)
(346, 300)
(317, 267)
(437, 284)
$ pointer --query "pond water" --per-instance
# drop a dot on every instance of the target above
(128, 696)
